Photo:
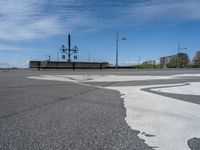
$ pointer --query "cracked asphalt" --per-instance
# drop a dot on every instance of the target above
(39, 114)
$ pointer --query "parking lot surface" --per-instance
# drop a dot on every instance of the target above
(92, 109)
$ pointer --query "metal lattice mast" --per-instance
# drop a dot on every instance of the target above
(69, 51)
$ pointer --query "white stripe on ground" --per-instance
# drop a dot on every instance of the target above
(57, 78)
(173, 122)
(108, 78)
(191, 89)
(186, 75)
(98, 78)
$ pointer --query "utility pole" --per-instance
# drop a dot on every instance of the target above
(178, 57)
(179, 47)
(139, 60)
(117, 40)
(57, 56)
(117, 48)
(88, 57)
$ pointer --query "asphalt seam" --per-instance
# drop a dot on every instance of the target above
(55, 101)
(34, 86)
(46, 104)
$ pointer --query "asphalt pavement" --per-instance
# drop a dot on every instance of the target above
(43, 114)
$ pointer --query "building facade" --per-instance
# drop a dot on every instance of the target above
(179, 60)
(183, 59)
(166, 60)
(196, 59)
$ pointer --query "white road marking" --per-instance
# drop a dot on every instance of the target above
(186, 75)
(57, 78)
(98, 78)
(191, 89)
(172, 121)
(108, 78)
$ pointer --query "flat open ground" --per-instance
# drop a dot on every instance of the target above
(92, 109)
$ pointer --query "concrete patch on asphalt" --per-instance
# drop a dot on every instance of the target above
(165, 123)
(171, 121)
(108, 78)
(188, 89)
(97, 78)
(186, 75)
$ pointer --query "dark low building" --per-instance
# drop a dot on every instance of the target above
(67, 65)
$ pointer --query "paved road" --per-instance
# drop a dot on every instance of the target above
(44, 114)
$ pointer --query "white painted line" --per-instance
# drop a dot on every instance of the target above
(191, 89)
(57, 78)
(108, 78)
(186, 75)
(98, 78)
(172, 121)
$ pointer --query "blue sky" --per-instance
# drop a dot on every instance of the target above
(33, 29)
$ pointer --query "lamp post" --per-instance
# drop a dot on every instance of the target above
(89, 57)
(117, 48)
(179, 55)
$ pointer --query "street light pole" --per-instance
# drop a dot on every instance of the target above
(117, 40)
(117, 48)
(179, 50)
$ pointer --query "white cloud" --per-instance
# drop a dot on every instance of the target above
(25, 20)
(18, 20)
(4, 47)
(171, 10)
(36, 19)
(4, 65)
(21, 30)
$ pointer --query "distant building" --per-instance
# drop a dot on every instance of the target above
(166, 60)
(181, 60)
(67, 65)
(196, 59)
(150, 62)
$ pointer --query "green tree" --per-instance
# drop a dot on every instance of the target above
(183, 61)
(173, 63)
(180, 61)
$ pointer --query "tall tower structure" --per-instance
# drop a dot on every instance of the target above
(69, 51)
